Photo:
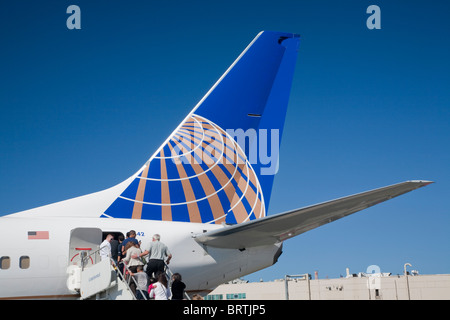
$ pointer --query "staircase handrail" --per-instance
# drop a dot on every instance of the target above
(169, 274)
(116, 268)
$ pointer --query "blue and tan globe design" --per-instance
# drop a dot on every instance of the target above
(200, 175)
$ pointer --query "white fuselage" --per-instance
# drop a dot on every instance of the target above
(44, 276)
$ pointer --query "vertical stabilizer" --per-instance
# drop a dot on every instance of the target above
(209, 170)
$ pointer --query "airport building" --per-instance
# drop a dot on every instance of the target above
(361, 286)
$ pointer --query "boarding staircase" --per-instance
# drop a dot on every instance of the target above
(102, 280)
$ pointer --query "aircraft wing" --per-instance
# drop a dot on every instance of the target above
(282, 226)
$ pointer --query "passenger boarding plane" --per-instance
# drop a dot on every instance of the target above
(199, 191)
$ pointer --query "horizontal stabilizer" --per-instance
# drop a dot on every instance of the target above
(282, 226)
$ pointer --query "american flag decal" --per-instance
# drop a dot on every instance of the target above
(36, 235)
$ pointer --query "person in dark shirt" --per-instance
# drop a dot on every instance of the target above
(114, 247)
(132, 238)
(177, 287)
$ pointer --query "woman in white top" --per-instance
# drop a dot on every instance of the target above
(161, 290)
(132, 249)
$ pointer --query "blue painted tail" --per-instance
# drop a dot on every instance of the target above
(219, 164)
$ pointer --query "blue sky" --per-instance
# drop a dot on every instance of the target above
(81, 110)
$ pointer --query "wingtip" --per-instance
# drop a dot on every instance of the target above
(422, 183)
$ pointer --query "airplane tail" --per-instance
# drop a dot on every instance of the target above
(219, 163)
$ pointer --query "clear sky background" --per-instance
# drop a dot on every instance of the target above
(82, 110)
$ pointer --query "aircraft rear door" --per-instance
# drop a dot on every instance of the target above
(84, 242)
